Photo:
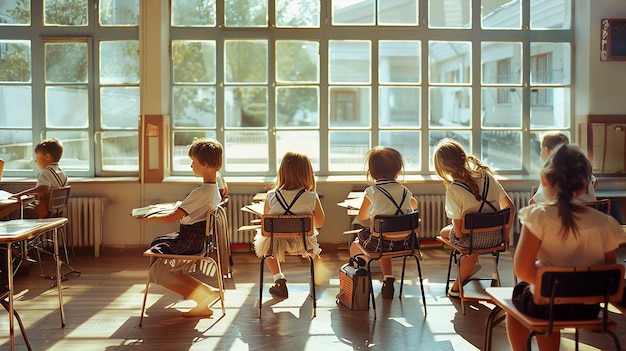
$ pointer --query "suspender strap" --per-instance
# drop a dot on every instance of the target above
(483, 196)
(283, 202)
(398, 207)
(56, 176)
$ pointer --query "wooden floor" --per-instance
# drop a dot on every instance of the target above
(102, 312)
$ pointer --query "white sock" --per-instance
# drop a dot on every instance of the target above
(278, 276)
(385, 277)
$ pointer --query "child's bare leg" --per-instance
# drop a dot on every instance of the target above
(468, 267)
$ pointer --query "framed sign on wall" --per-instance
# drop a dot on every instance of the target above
(613, 40)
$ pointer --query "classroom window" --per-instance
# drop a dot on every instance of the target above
(288, 78)
(86, 92)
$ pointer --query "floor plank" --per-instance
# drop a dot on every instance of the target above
(102, 311)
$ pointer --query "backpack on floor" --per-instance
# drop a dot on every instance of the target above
(354, 285)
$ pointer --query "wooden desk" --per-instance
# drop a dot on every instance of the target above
(23, 229)
(8, 206)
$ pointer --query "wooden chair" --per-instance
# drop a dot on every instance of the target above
(478, 223)
(209, 262)
(603, 205)
(395, 228)
(288, 226)
(563, 285)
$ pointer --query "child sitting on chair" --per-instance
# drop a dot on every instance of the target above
(294, 193)
(47, 156)
(548, 143)
(206, 160)
(470, 187)
(560, 232)
(385, 197)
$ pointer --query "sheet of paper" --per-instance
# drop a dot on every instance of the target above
(160, 209)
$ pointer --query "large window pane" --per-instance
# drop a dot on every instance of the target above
(119, 62)
(450, 14)
(351, 12)
(15, 13)
(246, 151)
(501, 63)
(180, 151)
(65, 12)
(350, 61)
(501, 14)
(245, 107)
(16, 95)
(350, 106)
(67, 106)
(193, 13)
(119, 13)
(346, 151)
(463, 137)
(399, 106)
(450, 62)
(501, 150)
(16, 149)
(75, 149)
(245, 61)
(193, 61)
(66, 63)
(398, 12)
(297, 106)
(552, 14)
(245, 13)
(407, 143)
(450, 106)
(399, 61)
(298, 14)
(119, 151)
(15, 61)
(550, 108)
(193, 107)
(297, 61)
(119, 107)
(550, 63)
(305, 142)
(501, 107)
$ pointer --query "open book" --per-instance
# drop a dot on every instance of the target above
(156, 209)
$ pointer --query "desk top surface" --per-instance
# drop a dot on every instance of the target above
(22, 229)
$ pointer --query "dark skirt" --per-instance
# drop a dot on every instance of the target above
(189, 240)
(523, 300)
(373, 243)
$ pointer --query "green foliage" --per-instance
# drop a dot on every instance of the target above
(66, 12)
(15, 64)
(21, 13)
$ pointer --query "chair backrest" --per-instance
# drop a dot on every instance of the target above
(577, 285)
(482, 222)
(58, 201)
(395, 227)
(287, 225)
(603, 205)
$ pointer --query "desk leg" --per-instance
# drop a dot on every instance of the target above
(57, 260)
(10, 296)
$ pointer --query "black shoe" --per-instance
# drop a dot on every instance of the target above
(280, 289)
(388, 289)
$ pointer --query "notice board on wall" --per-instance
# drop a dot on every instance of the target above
(613, 40)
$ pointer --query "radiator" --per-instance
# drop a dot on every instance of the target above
(85, 218)
(520, 199)
(237, 218)
(432, 214)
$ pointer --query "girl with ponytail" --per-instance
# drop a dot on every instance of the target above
(470, 187)
(559, 232)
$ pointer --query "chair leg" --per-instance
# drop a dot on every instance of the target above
(402, 277)
(369, 274)
(261, 285)
(419, 272)
(220, 278)
(492, 321)
(452, 255)
(459, 261)
(313, 286)
(153, 263)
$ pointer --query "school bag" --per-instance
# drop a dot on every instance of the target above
(354, 285)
